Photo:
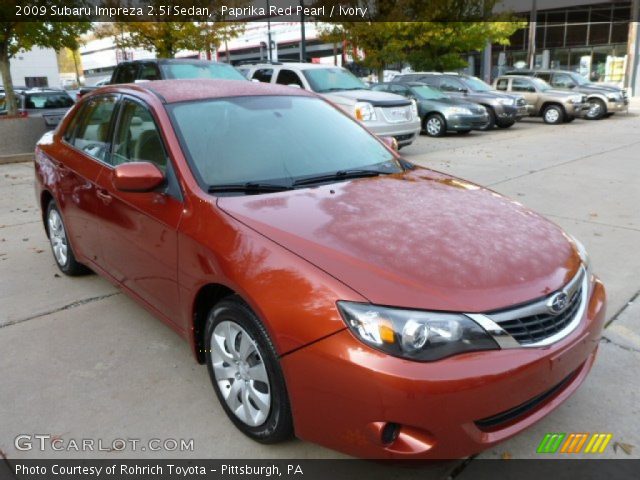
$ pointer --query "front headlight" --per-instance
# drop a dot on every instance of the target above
(414, 109)
(364, 112)
(576, 99)
(584, 256)
(458, 111)
(613, 97)
(506, 101)
(413, 334)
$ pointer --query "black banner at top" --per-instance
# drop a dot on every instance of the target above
(286, 10)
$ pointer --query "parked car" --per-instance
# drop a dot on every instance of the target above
(439, 113)
(333, 289)
(49, 103)
(383, 113)
(554, 106)
(166, 69)
(504, 110)
(604, 100)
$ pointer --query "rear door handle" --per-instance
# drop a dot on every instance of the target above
(104, 196)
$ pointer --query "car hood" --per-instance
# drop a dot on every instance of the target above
(376, 98)
(419, 239)
(452, 102)
(598, 88)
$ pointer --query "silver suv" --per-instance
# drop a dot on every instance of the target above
(385, 114)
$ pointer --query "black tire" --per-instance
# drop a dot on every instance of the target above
(69, 266)
(435, 125)
(569, 119)
(492, 120)
(464, 132)
(278, 425)
(507, 124)
(597, 109)
(553, 115)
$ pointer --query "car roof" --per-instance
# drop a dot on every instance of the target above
(172, 91)
(296, 65)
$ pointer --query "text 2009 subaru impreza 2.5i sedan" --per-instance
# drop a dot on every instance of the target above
(334, 290)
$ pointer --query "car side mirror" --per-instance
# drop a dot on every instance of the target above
(390, 142)
(137, 177)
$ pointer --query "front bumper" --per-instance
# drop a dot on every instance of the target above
(576, 109)
(344, 394)
(510, 113)
(466, 122)
(618, 106)
(404, 132)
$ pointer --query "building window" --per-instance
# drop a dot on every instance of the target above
(35, 82)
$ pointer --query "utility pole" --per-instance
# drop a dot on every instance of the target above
(269, 31)
(533, 23)
(303, 40)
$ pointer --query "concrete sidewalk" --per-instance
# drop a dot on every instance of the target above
(81, 360)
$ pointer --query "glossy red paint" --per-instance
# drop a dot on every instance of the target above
(419, 239)
(137, 177)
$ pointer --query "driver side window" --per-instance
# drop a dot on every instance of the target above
(562, 80)
(451, 85)
(92, 133)
(137, 138)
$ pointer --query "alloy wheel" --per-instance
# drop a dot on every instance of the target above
(241, 373)
(595, 109)
(552, 115)
(58, 238)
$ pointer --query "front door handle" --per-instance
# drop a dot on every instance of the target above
(104, 196)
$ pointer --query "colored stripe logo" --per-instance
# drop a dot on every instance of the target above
(574, 443)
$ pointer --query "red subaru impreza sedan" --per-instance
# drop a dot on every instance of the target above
(334, 290)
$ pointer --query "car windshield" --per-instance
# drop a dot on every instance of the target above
(477, 85)
(541, 84)
(332, 80)
(43, 100)
(424, 92)
(292, 139)
(200, 70)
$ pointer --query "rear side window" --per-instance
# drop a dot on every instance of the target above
(545, 76)
(149, 71)
(263, 75)
(92, 133)
(289, 77)
(502, 84)
(126, 73)
(451, 85)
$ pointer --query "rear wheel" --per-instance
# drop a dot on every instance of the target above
(435, 125)
(597, 109)
(553, 115)
(245, 372)
(60, 246)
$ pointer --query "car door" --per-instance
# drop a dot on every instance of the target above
(524, 86)
(139, 233)
(81, 159)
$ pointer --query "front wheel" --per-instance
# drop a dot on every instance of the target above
(60, 246)
(435, 125)
(492, 120)
(506, 124)
(553, 115)
(245, 372)
(597, 109)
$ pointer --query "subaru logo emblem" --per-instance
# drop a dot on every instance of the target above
(558, 303)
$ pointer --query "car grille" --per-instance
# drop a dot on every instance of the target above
(536, 322)
(397, 114)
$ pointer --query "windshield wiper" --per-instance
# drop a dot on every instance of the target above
(339, 89)
(339, 175)
(249, 187)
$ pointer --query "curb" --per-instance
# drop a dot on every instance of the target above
(18, 158)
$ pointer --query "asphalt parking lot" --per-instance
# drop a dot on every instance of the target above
(82, 360)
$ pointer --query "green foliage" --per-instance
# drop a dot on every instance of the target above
(448, 28)
(22, 36)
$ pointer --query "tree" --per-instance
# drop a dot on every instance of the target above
(448, 28)
(21, 36)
